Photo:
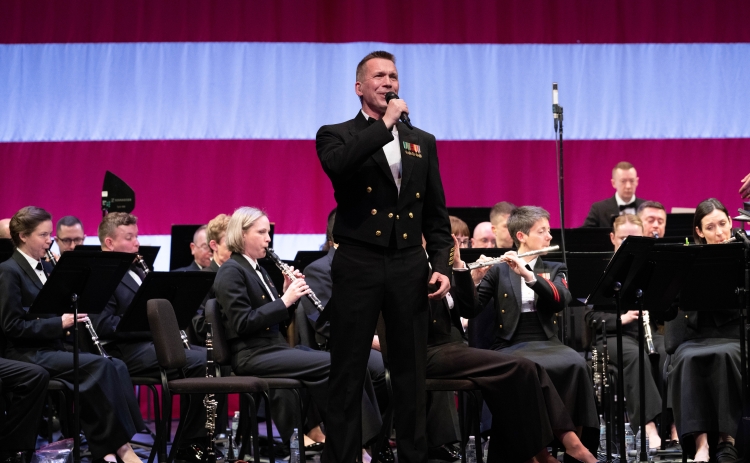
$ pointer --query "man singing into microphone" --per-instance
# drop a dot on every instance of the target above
(388, 191)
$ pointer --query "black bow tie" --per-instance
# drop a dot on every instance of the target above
(627, 206)
(39, 266)
(371, 120)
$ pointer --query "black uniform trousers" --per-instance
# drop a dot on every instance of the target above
(109, 408)
(524, 403)
(23, 387)
(366, 281)
(140, 358)
(631, 373)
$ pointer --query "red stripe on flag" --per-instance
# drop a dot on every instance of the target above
(191, 181)
(336, 21)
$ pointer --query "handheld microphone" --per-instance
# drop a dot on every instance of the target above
(404, 117)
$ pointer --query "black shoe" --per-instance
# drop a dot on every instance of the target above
(13, 456)
(314, 447)
(195, 453)
(280, 450)
(444, 453)
(726, 453)
(385, 453)
(674, 447)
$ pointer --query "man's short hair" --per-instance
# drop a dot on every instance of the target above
(501, 208)
(216, 228)
(67, 221)
(458, 226)
(621, 220)
(25, 221)
(375, 54)
(652, 205)
(111, 221)
(200, 229)
(242, 219)
(522, 219)
(622, 165)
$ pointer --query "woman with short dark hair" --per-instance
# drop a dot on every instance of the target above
(109, 409)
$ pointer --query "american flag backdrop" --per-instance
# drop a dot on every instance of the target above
(203, 106)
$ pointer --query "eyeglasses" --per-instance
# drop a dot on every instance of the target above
(68, 241)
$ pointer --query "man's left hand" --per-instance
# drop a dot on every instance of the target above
(443, 284)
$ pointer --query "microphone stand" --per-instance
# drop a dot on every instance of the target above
(557, 114)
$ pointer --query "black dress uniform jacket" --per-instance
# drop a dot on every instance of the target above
(110, 413)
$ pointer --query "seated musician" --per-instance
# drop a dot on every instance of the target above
(200, 250)
(518, 391)
(483, 236)
(252, 310)
(110, 415)
(499, 219)
(118, 232)
(23, 387)
(624, 226)
(704, 379)
(460, 230)
(69, 233)
(529, 293)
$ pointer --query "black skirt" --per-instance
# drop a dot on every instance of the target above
(705, 386)
(567, 369)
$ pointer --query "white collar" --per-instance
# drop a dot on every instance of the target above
(621, 202)
(33, 262)
(252, 261)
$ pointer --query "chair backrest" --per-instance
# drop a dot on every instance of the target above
(170, 352)
(221, 352)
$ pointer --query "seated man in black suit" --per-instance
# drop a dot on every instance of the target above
(118, 232)
(23, 387)
(654, 218)
(625, 182)
(69, 233)
(200, 250)
(483, 236)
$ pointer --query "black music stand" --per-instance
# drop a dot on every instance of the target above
(647, 278)
(6, 249)
(82, 280)
(185, 290)
(149, 253)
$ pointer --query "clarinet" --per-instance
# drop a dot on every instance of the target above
(208, 401)
(286, 270)
(647, 334)
(87, 323)
(140, 262)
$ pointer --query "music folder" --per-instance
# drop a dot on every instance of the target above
(149, 253)
(659, 272)
(92, 276)
(185, 290)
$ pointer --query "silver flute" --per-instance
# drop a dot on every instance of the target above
(140, 262)
(87, 323)
(286, 270)
(499, 260)
(208, 400)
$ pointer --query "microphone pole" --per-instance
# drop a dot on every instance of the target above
(557, 114)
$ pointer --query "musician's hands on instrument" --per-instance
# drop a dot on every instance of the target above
(518, 265)
(295, 290)
(745, 188)
(287, 281)
(478, 273)
(442, 282)
(629, 316)
(67, 319)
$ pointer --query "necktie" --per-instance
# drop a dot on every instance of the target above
(265, 281)
(528, 267)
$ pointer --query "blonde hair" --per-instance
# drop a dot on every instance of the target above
(626, 218)
(111, 221)
(217, 227)
(241, 221)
